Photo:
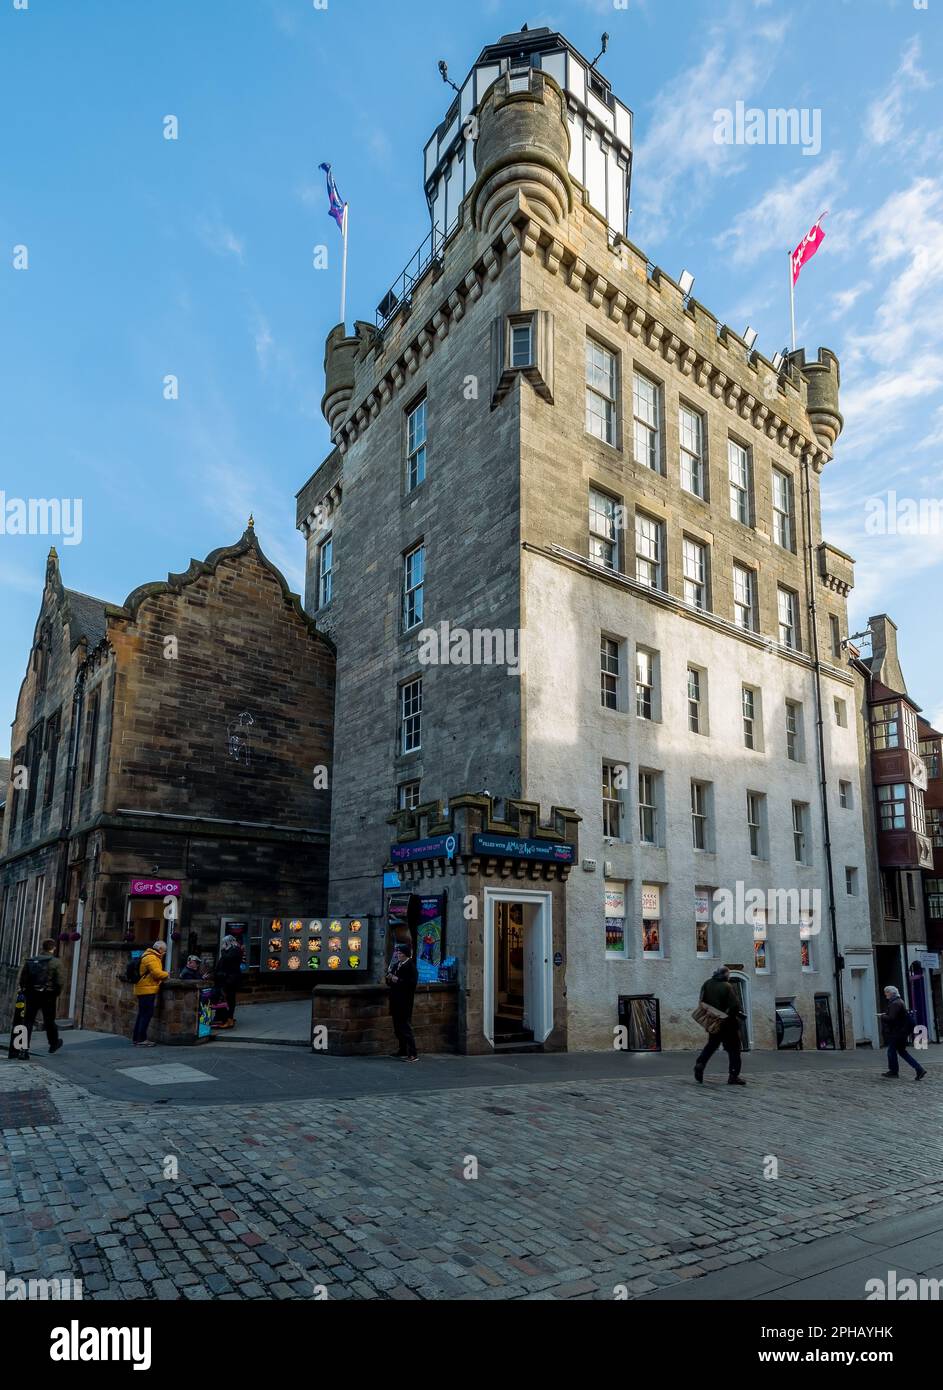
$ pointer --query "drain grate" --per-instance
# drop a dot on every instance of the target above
(27, 1109)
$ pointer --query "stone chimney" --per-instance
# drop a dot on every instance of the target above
(885, 665)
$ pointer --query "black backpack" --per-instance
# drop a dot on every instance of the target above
(132, 971)
(37, 974)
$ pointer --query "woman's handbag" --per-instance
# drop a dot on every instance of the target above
(708, 1017)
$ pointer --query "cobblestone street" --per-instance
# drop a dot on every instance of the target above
(591, 1188)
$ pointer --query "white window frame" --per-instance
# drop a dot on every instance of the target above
(783, 510)
(744, 598)
(406, 798)
(410, 713)
(800, 832)
(646, 684)
(693, 469)
(612, 796)
(646, 421)
(522, 326)
(602, 388)
(416, 444)
(694, 569)
(325, 571)
(795, 732)
(696, 716)
(649, 551)
(739, 472)
(610, 672)
(648, 810)
(413, 582)
(604, 529)
(700, 816)
(787, 609)
(756, 824)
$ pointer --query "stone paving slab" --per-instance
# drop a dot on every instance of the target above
(583, 1187)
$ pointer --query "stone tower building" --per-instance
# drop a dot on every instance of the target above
(568, 545)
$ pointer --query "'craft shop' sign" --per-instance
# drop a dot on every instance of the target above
(510, 847)
(439, 847)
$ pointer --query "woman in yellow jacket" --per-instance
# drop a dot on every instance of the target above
(149, 982)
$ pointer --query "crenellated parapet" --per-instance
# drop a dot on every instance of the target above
(523, 149)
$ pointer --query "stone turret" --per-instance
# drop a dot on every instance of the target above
(523, 147)
(823, 379)
(339, 355)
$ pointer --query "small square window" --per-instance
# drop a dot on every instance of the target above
(522, 344)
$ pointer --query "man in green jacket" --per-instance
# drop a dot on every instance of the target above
(41, 982)
(720, 994)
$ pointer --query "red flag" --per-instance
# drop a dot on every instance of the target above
(807, 248)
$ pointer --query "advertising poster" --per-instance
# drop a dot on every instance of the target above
(429, 937)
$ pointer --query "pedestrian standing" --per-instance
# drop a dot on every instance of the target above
(897, 1031)
(41, 983)
(720, 994)
(402, 978)
(152, 976)
(228, 974)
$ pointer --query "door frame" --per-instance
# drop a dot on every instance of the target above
(543, 926)
(864, 969)
(747, 1004)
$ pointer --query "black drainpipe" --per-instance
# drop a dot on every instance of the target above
(820, 748)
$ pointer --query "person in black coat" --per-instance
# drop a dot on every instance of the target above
(897, 1032)
(227, 975)
(720, 994)
(402, 978)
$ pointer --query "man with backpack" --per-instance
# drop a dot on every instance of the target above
(41, 983)
(899, 1023)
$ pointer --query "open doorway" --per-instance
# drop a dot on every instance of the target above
(518, 984)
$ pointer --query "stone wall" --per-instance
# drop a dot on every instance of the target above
(111, 1004)
(358, 1022)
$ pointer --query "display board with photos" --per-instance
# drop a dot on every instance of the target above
(305, 944)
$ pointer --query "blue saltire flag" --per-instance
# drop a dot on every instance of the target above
(336, 209)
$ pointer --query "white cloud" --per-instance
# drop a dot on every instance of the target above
(884, 119)
(220, 239)
(782, 215)
(680, 149)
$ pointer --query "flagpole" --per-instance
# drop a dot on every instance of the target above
(344, 276)
(792, 299)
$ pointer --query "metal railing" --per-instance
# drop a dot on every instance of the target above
(404, 286)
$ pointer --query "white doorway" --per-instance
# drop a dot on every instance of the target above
(863, 1015)
(518, 969)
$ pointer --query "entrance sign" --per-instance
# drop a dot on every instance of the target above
(438, 847)
(511, 847)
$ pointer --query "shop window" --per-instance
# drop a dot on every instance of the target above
(616, 897)
(653, 944)
(703, 933)
(761, 943)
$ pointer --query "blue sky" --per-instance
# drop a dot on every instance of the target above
(150, 257)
